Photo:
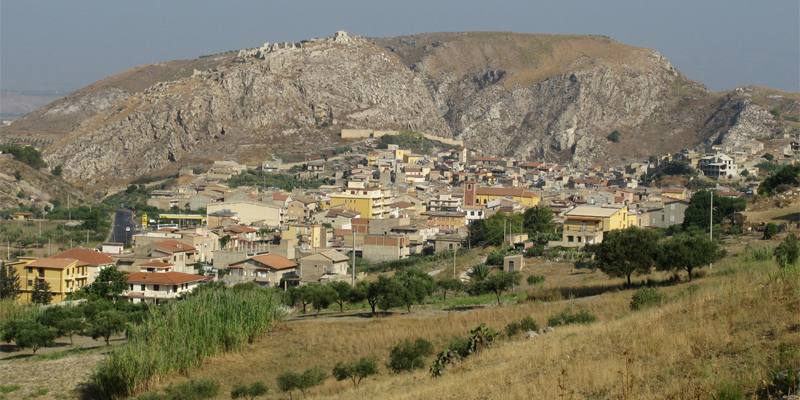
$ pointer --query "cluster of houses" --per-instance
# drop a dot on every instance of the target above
(381, 205)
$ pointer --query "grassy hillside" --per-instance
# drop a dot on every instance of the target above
(726, 332)
(728, 329)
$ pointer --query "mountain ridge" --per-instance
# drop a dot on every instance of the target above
(534, 96)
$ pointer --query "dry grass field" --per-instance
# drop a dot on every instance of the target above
(725, 328)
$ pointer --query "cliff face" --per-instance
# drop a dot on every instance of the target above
(547, 97)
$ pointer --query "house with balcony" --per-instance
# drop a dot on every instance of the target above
(718, 166)
(264, 269)
(159, 287)
(587, 224)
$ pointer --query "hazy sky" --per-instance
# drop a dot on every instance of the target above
(66, 44)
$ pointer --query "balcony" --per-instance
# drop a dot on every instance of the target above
(582, 228)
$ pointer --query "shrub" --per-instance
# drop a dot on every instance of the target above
(568, 316)
(646, 297)
(479, 338)
(409, 355)
(523, 325)
(535, 251)
(289, 381)
(729, 391)
(770, 230)
(757, 253)
(192, 390)
(249, 392)
(544, 295)
(788, 251)
(535, 279)
(355, 371)
(613, 136)
(495, 257)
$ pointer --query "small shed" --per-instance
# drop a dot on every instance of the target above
(513, 263)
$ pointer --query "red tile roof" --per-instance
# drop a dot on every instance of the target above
(272, 261)
(504, 191)
(53, 262)
(86, 256)
(163, 278)
(171, 246)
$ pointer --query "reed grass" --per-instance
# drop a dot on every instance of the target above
(181, 335)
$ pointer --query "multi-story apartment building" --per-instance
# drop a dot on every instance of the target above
(158, 287)
(369, 202)
(63, 275)
(587, 224)
(718, 166)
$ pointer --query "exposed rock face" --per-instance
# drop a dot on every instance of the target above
(738, 120)
(549, 97)
(290, 95)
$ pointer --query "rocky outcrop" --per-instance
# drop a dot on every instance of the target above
(287, 96)
(551, 97)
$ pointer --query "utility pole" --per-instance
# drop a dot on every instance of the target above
(353, 229)
(69, 208)
(711, 224)
(454, 261)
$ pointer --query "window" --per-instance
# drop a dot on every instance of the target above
(580, 239)
(156, 287)
(570, 238)
(30, 282)
(141, 287)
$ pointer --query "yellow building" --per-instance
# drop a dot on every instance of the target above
(412, 159)
(369, 202)
(586, 224)
(480, 196)
(311, 234)
(64, 275)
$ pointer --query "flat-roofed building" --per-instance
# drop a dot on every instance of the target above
(586, 224)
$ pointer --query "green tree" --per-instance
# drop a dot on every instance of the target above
(290, 381)
(697, 214)
(538, 223)
(390, 293)
(788, 251)
(416, 286)
(9, 282)
(109, 284)
(409, 355)
(67, 320)
(41, 293)
(321, 296)
(497, 283)
(299, 295)
(355, 371)
(344, 292)
(490, 231)
(105, 324)
(249, 392)
(624, 252)
(33, 335)
(686, 252)
(780, 180)
(452, 285)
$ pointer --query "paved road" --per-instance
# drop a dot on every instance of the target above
(124, 227)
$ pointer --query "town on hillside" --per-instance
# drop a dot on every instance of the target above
(385, 197)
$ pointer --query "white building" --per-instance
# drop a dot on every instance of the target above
(157, 287)
(718, 166)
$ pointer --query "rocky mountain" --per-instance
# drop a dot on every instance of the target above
(552, 97)
(38, 188)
